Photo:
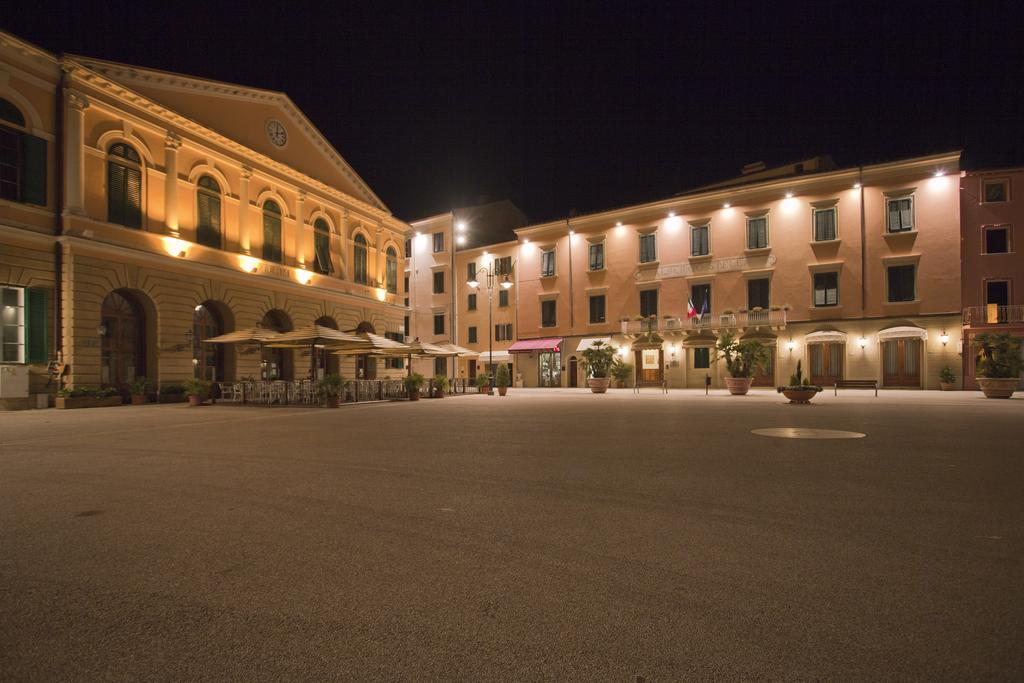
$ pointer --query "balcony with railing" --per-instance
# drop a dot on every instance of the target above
(993, 314)
(725, 321)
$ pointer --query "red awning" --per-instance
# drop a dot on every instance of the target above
(535, 345)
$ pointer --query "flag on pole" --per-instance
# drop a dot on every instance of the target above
(691, 311)
(704, 307)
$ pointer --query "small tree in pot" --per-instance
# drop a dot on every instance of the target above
(483, 383)
(440, 386)
(138, 388)
(621, 372)
(742, 360)
(947, 380)
(599, 358)
(799, 389)
(330, 388)
(197, 390)
(413, 384)
(502, 379)
(999, 364)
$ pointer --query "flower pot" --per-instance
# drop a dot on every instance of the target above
(738, 386)
(69, 402)
(946, 386)
(333, 401)
(414, 394)
(139, 400)
(438, 393)
(799, 395)
(502, 391)
(599, 385)
(998, 387)
(194, 400)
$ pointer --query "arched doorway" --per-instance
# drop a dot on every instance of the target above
(276, 363)
(366, 365)
(123, 340)
(209, 358)
(325, 362)
(573, 372)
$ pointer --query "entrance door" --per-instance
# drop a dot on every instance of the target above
(574, 367)
(650, 366)
(210, 357)
(827, 363)
(765, 376)
(471, 363)
(549, 370)
(122, 350)
(901, 363)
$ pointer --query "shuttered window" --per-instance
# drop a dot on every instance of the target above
(22, 159)
(12, 324)
(391, 270)
(700, 243)
(35, 326)
(648, 248)
(900, 214)
(208, 212)
(33, 189)
(10, 164)
(124, 186)
(272, 232)
(826, 289)
(322, 247)
(825, 224)
(548, 314)
(597, 309)
(757, 232)
(359, 260)
(547, 263)
(649, 302)
(597, 256)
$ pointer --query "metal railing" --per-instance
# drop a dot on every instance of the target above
(708, 321)
(994, 315)
(375, 390)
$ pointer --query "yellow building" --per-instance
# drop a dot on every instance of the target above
(169, 209)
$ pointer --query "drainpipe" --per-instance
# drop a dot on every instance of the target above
(863, 246)
(58, 224)
(572, 308)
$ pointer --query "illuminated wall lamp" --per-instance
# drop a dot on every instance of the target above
(303, 276)
(944, 338)
(248, 264)
(176, 247)
(790, 346)
(862, 342)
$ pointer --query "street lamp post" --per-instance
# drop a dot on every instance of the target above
(506, 284)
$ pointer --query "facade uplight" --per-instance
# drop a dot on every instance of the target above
(248, 263)
(789, 195)
(856, 186)
(726, 205)
(176, 247)
(303, 276)
(460, 226)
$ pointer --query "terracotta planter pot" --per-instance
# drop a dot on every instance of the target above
(139, 400)
(998, 387)
(799, 395)
(333, 401)
(414, 394)
(502, 391)
(599, 385)
(946, 386)
(438, 393)
(195, 400)
(69, 402)
(738, 386)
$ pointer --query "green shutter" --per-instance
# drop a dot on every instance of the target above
(208, 231)
(35, 326)
(133, 198)
(34, 154)
(115, 193)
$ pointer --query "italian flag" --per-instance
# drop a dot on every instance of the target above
(691, 312)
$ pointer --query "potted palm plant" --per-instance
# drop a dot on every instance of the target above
(440, 383)
(197, 390)
(999, 364)
(621, 372)
(138, 388)
(483, 383)
(742, 360)
(599, 358)
(947, 380)
(799, 389)
(330, 388)
(413, 384)
(502, 379)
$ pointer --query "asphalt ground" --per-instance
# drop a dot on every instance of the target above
(549, 535)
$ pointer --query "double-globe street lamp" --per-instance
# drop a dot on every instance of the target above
(489, 277)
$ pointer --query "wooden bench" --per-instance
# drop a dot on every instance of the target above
(856, 384)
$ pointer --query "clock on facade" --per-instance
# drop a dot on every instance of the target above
(277, 133)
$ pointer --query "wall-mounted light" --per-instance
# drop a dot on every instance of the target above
(460, 226)
(526, 240)
(623, 351)
(101, 330)
(789, 195)
(671, 214)
(726, 205)
(856, 186)
(790, 345)
(176, 247)
(506, 283)
(618, 224)
(460, 240)
(303, 276)
(248, 263)
(862, 342)
(944, 338)
(382, 294)
(571, 233)
(939, 173)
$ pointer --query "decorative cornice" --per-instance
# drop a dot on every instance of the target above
(77, 101)
(172, 141)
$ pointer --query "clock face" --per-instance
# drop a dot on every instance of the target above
(277, 133)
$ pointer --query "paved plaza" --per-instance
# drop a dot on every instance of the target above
(544, 535)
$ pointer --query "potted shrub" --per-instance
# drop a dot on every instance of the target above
(483, 383)
(799, 389)
(742, 360)
(171, 393)
(85, 397)
(947, 380)
(330, 388)
(621, 372)
(413, 384)
(197, 390)
(502, 379)
(999, 364)
(599, 358)
(138, 388)
(440, 386)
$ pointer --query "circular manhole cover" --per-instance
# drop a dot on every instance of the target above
(806, 433)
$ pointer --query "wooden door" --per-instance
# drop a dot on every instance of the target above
(765, 376)
(827, 363)
(122, 349)
(649, 376)
(573, 369)
(901, 363)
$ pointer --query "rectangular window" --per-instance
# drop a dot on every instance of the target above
(406, 325)
(826, 289)
(901, 283)
(22, 167)
(472, 335)
(503, 265)
(503, 332)
(471, 271)
(757, 232)
(701, 358)
(825, 224)
(547, 263)
(597, 256)
(997, 240)
(408, 248)
(548, 317)
(649, 302)
(700, 244)
(701, 295)
(405, 285)
(996, 190)
(997, 292)
(597, 304)
(648, 248)
(439, 323)
(502, 298)
(900, 214)
(471, 302)
(12, 325)
(757, 293)
(438, 242)
(439, 282)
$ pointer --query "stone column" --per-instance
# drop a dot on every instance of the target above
(300, 229)
(74, 169)
(244, 238)
(171, 144)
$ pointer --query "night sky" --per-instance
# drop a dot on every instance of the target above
(579, 107)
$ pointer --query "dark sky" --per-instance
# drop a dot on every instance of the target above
(593, 105)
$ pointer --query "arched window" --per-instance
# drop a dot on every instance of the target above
(22, 159)
(392, 270)
(322, 247)
(206, 323)
(208, 212)
(272, 232)
(124, 186)
(359, 260)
